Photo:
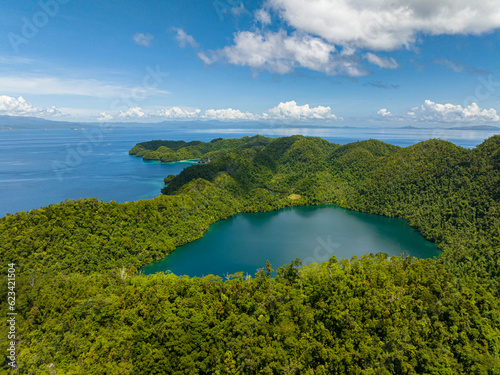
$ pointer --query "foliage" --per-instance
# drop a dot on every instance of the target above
(171, 151)
(83, 309)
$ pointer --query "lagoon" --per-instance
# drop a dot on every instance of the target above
(313, 234)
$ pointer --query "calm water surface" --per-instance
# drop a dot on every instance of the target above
(313, 234)
(39, 167)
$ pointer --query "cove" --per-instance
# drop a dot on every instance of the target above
(313, 234)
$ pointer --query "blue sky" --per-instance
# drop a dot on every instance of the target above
(337, 62)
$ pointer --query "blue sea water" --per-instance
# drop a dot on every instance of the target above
(42, 167)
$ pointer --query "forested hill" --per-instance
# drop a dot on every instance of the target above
(82, 307)
(449, 193)
(170, 151)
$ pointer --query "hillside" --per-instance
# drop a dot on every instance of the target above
(171, 151)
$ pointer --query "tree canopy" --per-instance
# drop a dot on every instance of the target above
(84, 308)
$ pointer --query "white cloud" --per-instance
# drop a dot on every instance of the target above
(327, 35)
(131, 113)
(207, 59)
(384, 112)
(431, 111)
(387, 24)
(229, 114)
(278, 52)
(291, 111)
(20, 107)
(238, 10)
(288, 111)
(177, 113)
(143, 39)
(263, 17)
(381, 62)
(185, 39)
(37, 85)
(103, 116)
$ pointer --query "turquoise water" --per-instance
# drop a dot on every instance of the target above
(313, 234)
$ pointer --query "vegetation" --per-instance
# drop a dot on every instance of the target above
(171, 151)
(84, 309)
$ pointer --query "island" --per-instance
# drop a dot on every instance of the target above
(83, 305)
(180, 151)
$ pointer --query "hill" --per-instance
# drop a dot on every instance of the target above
(84, 308)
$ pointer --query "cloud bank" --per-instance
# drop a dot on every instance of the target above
(431, 112)
(20, 107)
(285, 111)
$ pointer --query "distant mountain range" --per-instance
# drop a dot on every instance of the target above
(18, 122)
(476, 127)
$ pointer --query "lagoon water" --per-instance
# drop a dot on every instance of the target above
(313, 234)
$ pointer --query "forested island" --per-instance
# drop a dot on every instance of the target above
(84, 308)
(176, 151)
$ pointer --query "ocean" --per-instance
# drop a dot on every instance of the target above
(42, 167)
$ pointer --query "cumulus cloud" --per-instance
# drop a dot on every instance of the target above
(288, 111)
(229, 114)
(177, 113)
(381, 62)
(278, 52)
(143, 39)
(131, 113)
(103, 116)
(387, 24)
(185, 39)
(263, 17)
(20, 107)
(431, 111)
(291, 111)
(384, 112)
(328, 36)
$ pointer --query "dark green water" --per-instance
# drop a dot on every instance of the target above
(313, 234)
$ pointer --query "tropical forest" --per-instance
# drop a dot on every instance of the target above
(84, 306)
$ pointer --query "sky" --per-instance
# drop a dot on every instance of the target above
(331, 62)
